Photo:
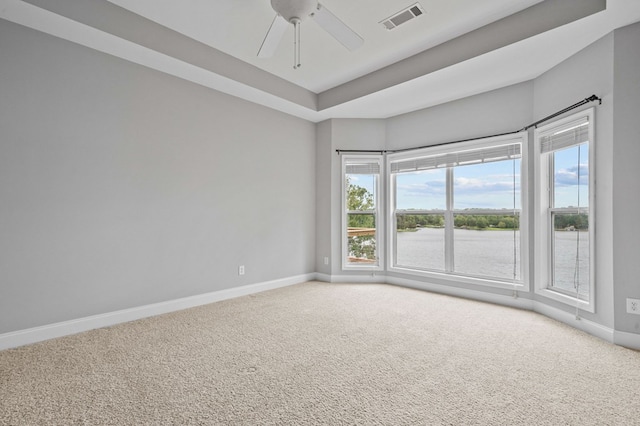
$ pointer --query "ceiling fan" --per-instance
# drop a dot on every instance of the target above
(294, 12)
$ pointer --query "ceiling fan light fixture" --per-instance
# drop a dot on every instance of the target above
(289, 9)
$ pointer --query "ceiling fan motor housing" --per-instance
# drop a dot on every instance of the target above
(292, 9)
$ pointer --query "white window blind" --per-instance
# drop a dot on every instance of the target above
(570, 134)
(484, 155)
(362, 168)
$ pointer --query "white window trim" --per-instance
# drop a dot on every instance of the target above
(543, 238)
(379, 203)
(454, 278)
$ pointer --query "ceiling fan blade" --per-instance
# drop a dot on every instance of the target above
(273, 37)
(338, 29)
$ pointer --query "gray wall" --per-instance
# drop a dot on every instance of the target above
(123, 186)
(498, 111)
(626, 175)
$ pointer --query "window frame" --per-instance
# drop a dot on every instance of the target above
(452, 276)
(377, 212)
(544, 211)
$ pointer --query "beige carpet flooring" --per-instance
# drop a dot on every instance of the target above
(326, 354)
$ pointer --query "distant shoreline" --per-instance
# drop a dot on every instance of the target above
(466, 228)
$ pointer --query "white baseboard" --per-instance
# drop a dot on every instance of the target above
(358, 279)
(628, 340)
(325, 278)
(590, 327)
(499, 299)
(37, 334)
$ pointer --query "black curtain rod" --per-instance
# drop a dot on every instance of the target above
(585, 101)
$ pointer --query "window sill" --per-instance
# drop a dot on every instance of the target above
(362, 268)
(567, 300)
(453, 278)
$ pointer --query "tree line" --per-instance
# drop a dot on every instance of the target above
(410, 222)
(571, 221)
(407, 222)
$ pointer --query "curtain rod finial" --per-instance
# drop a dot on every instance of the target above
(594, 98)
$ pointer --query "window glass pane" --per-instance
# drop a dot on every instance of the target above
(571, 253)
(571, 176)
(423, 190)
(361, 238)
(361, 198)
(487, 245)
(487, 185)
(420, 241)
(361, 192)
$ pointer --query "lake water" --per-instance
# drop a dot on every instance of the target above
(491, 253)
(568, 247)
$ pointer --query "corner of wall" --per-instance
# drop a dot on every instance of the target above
(626, 175)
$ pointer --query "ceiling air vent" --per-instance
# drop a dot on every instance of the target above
(403, 16)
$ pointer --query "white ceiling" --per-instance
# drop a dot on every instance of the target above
(417, 65)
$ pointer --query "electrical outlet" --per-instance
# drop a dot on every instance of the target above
(241, 270)
(326, 260)
(633, 306)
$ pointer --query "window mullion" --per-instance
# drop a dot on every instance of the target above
(551, 182)
(448, 223)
